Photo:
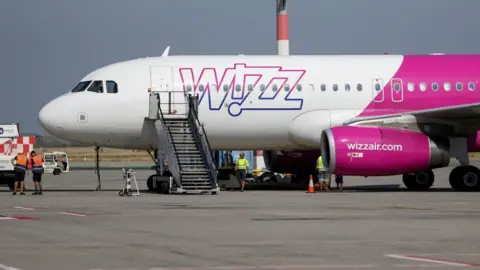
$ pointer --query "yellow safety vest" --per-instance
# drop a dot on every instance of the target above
(242, 163)
(319, 163)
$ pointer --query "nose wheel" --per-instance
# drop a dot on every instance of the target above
(419, 181)
(465, 178)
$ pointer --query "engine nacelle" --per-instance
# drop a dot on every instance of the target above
(473, 142)
(295, 162)
(376, 151)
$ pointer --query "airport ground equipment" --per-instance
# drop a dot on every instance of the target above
(11, 143)
(128, 175)
(56, 162)
(183, 148)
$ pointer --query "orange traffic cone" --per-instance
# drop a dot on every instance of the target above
(311, 188)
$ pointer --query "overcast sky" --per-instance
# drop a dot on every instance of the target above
(48, 45)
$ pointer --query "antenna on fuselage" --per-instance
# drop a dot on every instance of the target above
(165, 53)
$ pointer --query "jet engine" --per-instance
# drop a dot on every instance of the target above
(376, 151)
(294, 162)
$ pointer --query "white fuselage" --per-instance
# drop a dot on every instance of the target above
(117, 119)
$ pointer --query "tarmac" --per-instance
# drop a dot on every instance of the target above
(374, 224)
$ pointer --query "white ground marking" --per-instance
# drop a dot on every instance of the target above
(428, 260)
(25, 208)
(72, 214)
(5, 267)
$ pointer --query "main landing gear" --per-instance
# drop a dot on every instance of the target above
(419, 181)
(462, 178)
(465, 178)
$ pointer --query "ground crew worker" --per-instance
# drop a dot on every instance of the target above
(322, 174)
(339, 181)
(241, 167)
(37, 171)
(20, 168)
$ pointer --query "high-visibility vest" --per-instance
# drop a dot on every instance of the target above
(319, 163)
(21, 161)
(242, 163)
(37, 162)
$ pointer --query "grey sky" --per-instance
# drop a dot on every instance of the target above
(48, 45)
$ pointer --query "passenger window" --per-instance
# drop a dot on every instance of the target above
(323, 87)
(471, 86)
(96, 87)
(312, 87)
(446, 86)
(347, 87)
(335, 87)
(213, 87)
(378, 87)
(225, 87)
(299, 87)
(112, 87)
(81, 86)
(396, 87)
(459, 86)
(359, 87)
(201, 88)
(423, 86)
(189, 87)
(434, 86)
(262, 87)
(410, 86)
(250, 87)
(274, 88)
(287, 87)
(238, 88)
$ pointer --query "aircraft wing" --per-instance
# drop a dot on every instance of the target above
(452, 121)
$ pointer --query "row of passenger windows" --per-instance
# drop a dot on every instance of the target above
(96, 87)
(347, 87)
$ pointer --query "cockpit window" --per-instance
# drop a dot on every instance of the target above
(112, 87)
(96, 87)
(81, 86)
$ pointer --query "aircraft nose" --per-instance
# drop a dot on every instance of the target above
(49, 118)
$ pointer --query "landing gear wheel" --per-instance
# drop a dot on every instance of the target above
(120, 193)
(267, 177)
(129, 193)
(150, 183)
(163, 188)
(419, 181)
(214, 193)
(465, 178)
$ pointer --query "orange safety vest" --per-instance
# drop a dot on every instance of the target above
(22, 160)
(37, 161)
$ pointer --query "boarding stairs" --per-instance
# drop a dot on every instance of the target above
(182, 143)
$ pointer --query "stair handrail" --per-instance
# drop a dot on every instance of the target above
(170, 145)
(202, 139)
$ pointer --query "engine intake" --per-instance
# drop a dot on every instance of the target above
(376, 151)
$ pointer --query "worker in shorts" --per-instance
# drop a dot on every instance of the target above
(19, 168)
(37, 172)
(242, 167)
(322, 175)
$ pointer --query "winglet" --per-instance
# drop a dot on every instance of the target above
(165, 53)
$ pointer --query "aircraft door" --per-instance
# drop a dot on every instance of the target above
(377, 90)
(396, 86)
(172, 101)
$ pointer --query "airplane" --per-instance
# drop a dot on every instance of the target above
(367, 115)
